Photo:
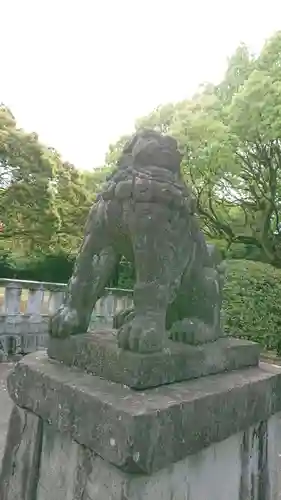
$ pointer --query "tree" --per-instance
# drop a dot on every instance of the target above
(241, 134)
(240, 66)
(72, 204)
(160, 119)
(27, 198)
(75, 193)
(230, 136)
(94, 179)
(115, 151)
(44, 201)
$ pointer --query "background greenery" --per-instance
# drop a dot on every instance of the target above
(252, 302)
(230, 137)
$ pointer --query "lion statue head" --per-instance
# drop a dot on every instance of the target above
(149, 148)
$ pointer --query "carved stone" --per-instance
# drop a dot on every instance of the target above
(147, 214)
(98, 354)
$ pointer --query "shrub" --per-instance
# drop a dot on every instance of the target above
(126, 275)
(53, 267)
(238, 250)
(252, 302)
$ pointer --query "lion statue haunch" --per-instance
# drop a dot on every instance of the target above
(147, 214)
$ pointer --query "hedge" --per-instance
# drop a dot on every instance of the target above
(252, 302)
(55, 267)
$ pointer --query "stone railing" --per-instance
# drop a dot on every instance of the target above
(27, 305)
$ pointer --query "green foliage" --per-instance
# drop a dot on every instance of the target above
(115, 151)
(252, 302)
(44, 201)
(160, 119)
(230, 137)
(50, 267)
(27, 200)
(125, 277)
(73, 201)
(93, 180)
(56, 267)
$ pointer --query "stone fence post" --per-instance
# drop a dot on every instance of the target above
(26, 306)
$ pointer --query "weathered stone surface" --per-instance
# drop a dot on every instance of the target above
(254, 481)
(64, 467)
(6, 406)
(20, 465)
(3, 356)
(273, 449)
(248, 462)
(144, 432)
(147, 213)
(99, 355)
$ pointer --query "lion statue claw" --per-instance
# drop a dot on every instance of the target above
(147, 214)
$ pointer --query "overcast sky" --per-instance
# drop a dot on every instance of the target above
(80, 72)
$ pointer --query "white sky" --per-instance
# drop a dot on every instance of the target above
(80, 72)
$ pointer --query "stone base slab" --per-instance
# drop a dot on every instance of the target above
(143, 432)
(41, 463)
(98, 354)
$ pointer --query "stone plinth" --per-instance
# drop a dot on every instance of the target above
(98, 354)
(74, 436)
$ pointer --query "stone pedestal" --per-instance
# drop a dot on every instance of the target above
(97, 353)
(75, 436)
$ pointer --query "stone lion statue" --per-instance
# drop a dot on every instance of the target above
(147, 214)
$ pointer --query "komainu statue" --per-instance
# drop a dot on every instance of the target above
(146, 213)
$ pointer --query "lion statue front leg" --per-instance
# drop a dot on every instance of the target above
(161, 253)
(195, 316)
(94, 265)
